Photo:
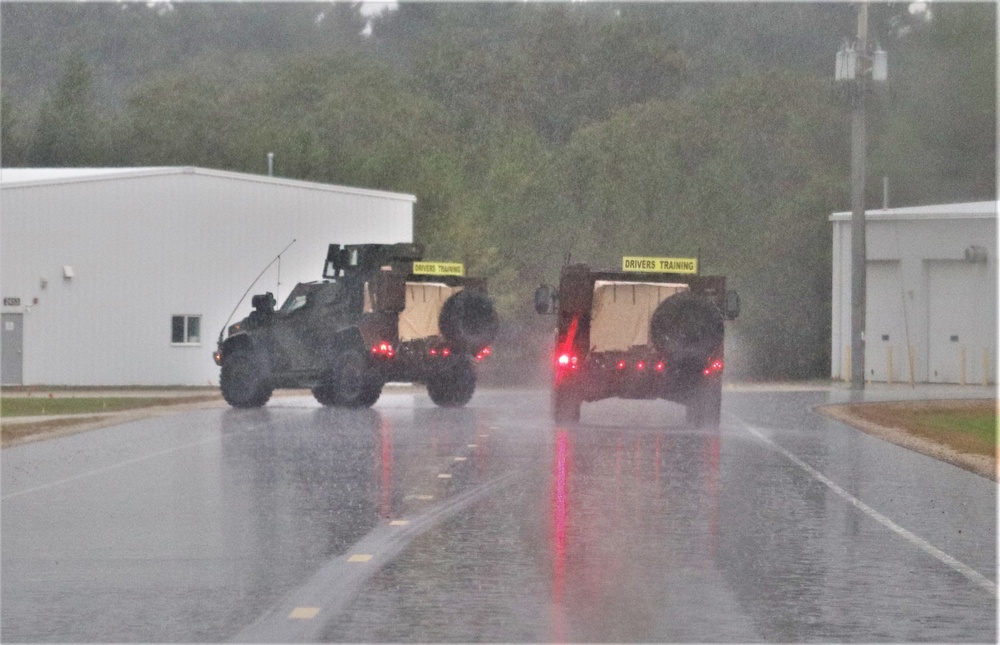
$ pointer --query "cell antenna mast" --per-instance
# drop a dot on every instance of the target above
(277, 258)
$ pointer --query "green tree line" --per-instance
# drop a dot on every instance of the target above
(534, 132)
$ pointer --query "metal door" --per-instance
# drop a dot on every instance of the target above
(886, 334)
(11, 349)
(958, 319)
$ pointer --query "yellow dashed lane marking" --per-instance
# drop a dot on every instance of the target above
(444, 476)
(399, 522)
(359, 557)
(304, 612)
(460, 458)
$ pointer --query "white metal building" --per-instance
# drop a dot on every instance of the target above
(125, 276)
(931, 310)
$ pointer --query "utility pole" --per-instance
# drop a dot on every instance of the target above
(859, 252)
(858, 71)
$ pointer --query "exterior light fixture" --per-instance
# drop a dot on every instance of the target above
(976, 254)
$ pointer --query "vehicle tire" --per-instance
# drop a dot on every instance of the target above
(352, 376)
(243, 379)
(348, 382)
(686, 325)
(324, 394)
(468, 321)
(704, 409)
(371, 393)
(566, 405)
(454, 387)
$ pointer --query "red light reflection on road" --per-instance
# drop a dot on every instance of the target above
(712, 450)
(482, 449)
(388, 463)
(562, 468)
(625, 491)
(656, 462)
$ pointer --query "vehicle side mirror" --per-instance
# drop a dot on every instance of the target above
(732, 305)
(264, 302)
(545, 299)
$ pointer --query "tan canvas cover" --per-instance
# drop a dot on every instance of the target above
(622, 310)
(424, 300)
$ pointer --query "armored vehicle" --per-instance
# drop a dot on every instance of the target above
(652, 330)
(380, 314)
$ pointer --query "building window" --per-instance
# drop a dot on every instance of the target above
(185, 330)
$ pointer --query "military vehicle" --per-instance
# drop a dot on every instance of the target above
(652, 330)
(380, 314)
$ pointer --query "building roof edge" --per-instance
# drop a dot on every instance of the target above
(31, 177)
(964, 210)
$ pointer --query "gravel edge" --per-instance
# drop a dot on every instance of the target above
(978, 464)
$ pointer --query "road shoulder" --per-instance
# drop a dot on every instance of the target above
(981, 465)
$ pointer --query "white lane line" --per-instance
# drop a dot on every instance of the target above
(974, 576)
(105, 469)
(120, 464)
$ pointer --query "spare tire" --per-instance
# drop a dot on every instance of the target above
(468, 321)
(686, 326)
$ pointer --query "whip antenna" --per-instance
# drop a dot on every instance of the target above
(277, 258)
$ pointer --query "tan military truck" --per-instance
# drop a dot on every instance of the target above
(652, 330)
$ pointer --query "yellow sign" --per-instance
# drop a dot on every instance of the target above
(660, 265)
(439, 268)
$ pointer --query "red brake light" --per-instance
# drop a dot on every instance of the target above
(621, 365)
(433, 352)
(446, 352)
(383, 349)
(567, 360)
(713, 367)
(641, 365)
(660, 366)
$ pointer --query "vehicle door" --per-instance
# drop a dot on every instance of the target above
(288, 337)
(331, 311)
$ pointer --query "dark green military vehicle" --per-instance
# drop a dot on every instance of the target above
(380, 314)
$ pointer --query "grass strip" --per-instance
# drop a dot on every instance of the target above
(39, 406)
(968, 426)
(13, 432)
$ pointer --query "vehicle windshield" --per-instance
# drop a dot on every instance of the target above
(299, 297)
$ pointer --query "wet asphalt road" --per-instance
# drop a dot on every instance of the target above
(410, 523)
